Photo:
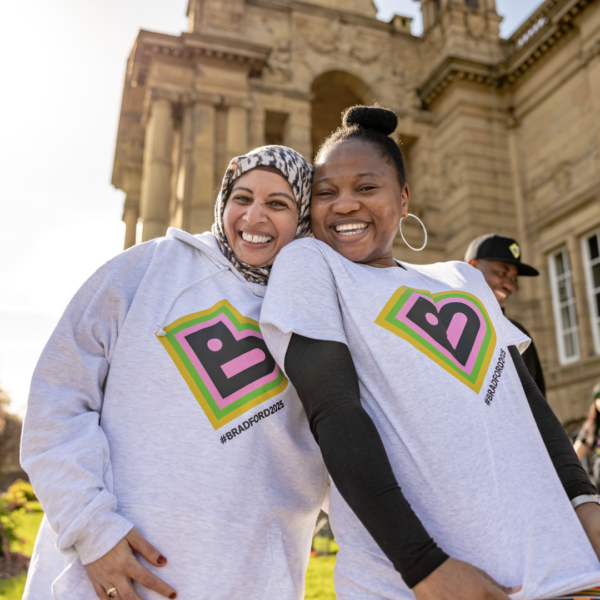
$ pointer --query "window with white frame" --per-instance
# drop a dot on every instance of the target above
(591, 254)
(565, 315)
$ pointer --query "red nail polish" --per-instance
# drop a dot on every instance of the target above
(161, 560)
(173, 596)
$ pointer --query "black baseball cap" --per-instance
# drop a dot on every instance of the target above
(497, 247)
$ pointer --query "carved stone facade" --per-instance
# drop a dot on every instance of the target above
(499, 135)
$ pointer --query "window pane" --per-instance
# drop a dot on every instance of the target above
(598, 305)
(563, 295)
(569, 345)
(565, 317)
(593, 242)
(596, 275)
(560, 267)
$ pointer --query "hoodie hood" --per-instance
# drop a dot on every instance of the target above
(207, 243)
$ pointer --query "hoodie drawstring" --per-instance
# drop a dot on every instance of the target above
(161, 332)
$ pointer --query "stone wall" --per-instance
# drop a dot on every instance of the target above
(498, 135)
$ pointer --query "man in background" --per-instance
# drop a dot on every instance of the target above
(499, 260)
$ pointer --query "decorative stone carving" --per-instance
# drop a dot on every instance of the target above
(476, 24)
(365, 46)
(278, 64)
(563, 178)
(322, 37)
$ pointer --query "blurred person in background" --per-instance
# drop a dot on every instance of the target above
(588, 438)
(499, 260)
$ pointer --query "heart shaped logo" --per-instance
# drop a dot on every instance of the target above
(224, 360)
(452, 328)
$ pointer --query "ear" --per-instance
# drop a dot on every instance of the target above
(405, 200)
(474, 263)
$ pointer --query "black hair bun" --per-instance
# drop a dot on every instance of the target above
(371, 117)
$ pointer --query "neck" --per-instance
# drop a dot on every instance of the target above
(382, 262)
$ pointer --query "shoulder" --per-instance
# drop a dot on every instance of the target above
(306, 252)
(520, 328)
(456, 272)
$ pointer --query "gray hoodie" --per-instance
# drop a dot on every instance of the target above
(156, 404)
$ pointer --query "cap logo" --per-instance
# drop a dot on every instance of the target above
(516, 251)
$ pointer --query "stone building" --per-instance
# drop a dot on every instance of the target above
(499, 135)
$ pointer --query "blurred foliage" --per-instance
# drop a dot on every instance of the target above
(10, 436)
(11, 509)
(21, 490)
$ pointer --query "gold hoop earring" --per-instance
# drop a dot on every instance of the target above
(424, 231)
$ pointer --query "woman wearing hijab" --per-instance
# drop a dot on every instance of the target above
(158, 417)
(417, 363)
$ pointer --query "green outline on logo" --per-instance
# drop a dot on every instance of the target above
(217, 416)
(387, 319)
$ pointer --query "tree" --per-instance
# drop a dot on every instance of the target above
(10, 436)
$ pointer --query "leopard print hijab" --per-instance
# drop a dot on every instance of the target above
(295, 168)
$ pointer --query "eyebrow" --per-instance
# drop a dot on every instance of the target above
(281, 194)
(368, 174)
(239, 187)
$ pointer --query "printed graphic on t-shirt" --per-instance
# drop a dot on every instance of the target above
(452, 328)
(224, 360)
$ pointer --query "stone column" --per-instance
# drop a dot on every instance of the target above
(513, 149)
(298, 130)
(237, 131)
(593, 76)
(202, 167)
(156, 186)
(131, 212)
(257, 127)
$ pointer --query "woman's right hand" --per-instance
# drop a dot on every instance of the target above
(458, 580)
(119, 566)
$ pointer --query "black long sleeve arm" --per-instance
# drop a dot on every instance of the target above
(568, 467)
(324, 376)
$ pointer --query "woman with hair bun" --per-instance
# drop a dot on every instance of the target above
(452, 478)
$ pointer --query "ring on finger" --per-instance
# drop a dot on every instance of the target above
(112, 592)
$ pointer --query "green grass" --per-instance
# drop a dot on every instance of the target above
(12, 589)
(319, 578)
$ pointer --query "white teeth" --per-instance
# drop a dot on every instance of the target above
(256, 239)
(351, 229)
(501, 294)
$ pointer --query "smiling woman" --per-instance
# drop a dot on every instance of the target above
(260, 216)
(358, 196)
(424, 421)
(184, 404)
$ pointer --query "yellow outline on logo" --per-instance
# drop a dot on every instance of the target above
(215, 421)
(381, 320)
(516, 251)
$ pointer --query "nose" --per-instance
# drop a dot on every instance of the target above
(345, 204)
(255, 214)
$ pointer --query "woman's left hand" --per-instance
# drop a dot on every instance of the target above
(589, 516)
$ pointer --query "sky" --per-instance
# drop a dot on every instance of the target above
(60, 218)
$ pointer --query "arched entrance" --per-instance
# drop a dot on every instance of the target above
(333, 92)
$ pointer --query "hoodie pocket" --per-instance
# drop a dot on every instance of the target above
(211, 558)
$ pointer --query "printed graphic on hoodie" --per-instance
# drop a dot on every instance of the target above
(224, 360)
(451, 328)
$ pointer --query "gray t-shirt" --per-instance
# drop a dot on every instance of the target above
(430, 348)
